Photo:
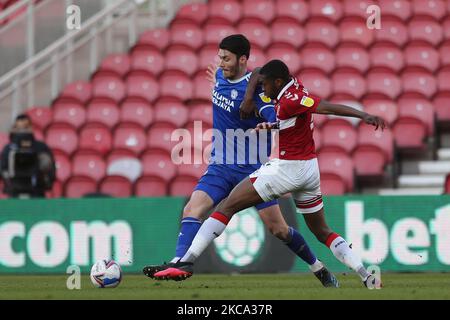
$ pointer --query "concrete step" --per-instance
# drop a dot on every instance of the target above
(444, 154)
(434, 167)
(411, 191)
(421, 181)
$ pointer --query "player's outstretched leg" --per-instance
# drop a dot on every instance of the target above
(243, 196)
(198, 206)
(338, 246)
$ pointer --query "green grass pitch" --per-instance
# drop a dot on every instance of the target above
(249, 286)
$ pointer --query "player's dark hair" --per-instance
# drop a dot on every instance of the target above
(23, 116)
(275, 69)
(237, 44)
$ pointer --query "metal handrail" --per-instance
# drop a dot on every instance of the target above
(11, 9)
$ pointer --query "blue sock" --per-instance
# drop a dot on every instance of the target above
(188, 230)
(300, 247)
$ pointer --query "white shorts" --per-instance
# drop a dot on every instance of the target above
(300, 177)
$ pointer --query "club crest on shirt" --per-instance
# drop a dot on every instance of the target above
(234, 94)
(307, 102)
(264, 98)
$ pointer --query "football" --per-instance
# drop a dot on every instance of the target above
(106, 274)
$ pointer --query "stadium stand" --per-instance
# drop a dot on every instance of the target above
(135, 99)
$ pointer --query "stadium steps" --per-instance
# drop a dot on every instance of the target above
(444, 154)
(411, 191)
(421, 181)
(426, 167)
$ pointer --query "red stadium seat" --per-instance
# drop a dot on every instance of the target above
(393, 31)
(339, 133)
(338, 162)
(384, 83)
(187, 34)
(387, 55)
(81, 91)
(420, 82)
(330, 9)
(228, 10)
(89, 164)
(294, 9)
(208, 56)
(4, 140)
(196, 12)
(257, 58)
(444, 52)
(130, 136)
(426, 29)
(63, 166)
(70, 113)
(38, 134)
(103, 111)
(177, 85)
(351, 56)
(136, 111)
(130, 168)
(202, 87)
(157, 162)
(396, 8)
(432, 8)
(180, 58)
(355, 30)
(115, 65)
(62, 136)
(369, 161)
(182, 186)
(41, 117)
(147, 61)
(118, 154)
(322, 31)
(171, 111)
(409, 133)
(317, 57)
(348, 83)
(116, 186)
(446, 27)
(143, 87)
(288, 31)
(447, 184)
(319, 120)
(422, 55)
(77, 187)
(256, 32)
(443, 79)
(201, 112)
(263, 10)
(159, 136)
(109, 87)
(316, 82)
(367, 135)
(356, 8)
(418, 108)
(442, 106)
(332, 184)
(96, 137)
(157, 39)
(384, 108)
(149, 186)
(57, 190)
(194, 170)
(215, 31)
(287, 54)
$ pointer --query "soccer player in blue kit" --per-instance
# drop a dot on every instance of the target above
(222, 176)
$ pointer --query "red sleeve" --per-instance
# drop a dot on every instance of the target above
(295, 104)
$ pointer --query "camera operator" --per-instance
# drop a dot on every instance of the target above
(27, 165)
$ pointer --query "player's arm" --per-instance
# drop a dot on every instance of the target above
(247, 106)
(326, 107)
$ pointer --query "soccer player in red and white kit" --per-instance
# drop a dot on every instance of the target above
(295, 171)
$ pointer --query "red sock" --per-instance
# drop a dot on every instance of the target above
(221, 217)
(331, 238)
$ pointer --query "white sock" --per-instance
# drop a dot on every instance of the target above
(347, 256)
(316, 266)
(210, 229)
(175, 259)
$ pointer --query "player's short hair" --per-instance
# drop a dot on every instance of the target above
(275, 69)
(237, 44)
(23, 116)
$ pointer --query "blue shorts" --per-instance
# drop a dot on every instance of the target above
(219, 180)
